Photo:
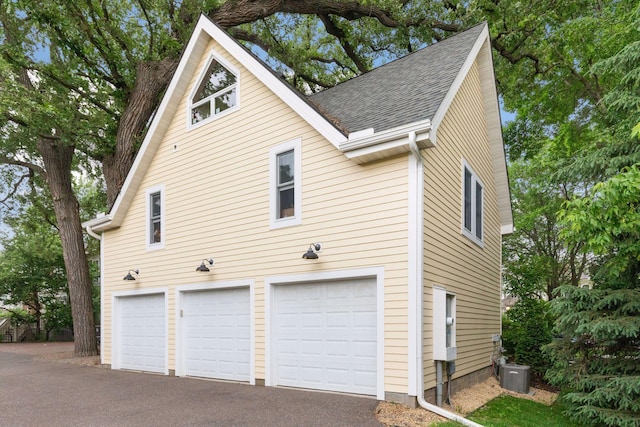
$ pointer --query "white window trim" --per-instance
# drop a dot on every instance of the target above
(212, 56)
(471, 234)
(296, 219)
(163, 214)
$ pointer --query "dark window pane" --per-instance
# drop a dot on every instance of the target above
(467, 199)
(155, 205)
(285, 203)
(478, 211)
(155, 218)
(285, 167)
(155, 234)
(216, 79)
(226, 101)
(200, 112)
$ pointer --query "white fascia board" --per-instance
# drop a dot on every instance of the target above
(481, 51)
(494, 132)
(159, 124)
(457, 82)
(276, 85)
(506, 229)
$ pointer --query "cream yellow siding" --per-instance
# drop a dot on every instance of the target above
(216, 180)
(451, 260)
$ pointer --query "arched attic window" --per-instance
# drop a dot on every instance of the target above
(216, 93)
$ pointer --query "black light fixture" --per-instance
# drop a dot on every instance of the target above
(129, 276)
(310, 254)
(203, 267)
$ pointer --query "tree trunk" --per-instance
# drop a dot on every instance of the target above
(57, 158)
(152, 79)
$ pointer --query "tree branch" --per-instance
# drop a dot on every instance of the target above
(143, 8)
(333, 29)
(31, 166)
(510, 55)
(16, 187)
(240, 34)
(78, 90)
(233, 13)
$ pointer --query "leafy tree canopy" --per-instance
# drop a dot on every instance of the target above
(598, 359)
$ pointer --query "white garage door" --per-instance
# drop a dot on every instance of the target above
(142, 332)
(216, 325)
(325, 336)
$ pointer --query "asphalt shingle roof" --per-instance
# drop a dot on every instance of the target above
(403, 91)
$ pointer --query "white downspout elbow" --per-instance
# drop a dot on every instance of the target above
(415, 151)
(92, 233)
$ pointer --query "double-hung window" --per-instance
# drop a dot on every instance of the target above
(285, 184)
(216, 93)
(472, 214)
(155, 218)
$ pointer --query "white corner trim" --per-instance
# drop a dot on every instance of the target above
(415, 273)
(102, 301)
(371, 272)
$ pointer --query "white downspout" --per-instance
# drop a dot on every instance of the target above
(93, 234)
(418, 275)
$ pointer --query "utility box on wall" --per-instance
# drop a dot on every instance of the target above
(515, 378)
(444, 325)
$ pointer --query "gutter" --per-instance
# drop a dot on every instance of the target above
(415, 317)
(97, 222)
(367, 145)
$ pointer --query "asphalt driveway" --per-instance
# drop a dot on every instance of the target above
(53, 393)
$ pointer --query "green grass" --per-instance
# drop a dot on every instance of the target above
(509, 411)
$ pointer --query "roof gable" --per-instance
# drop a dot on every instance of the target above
(379, 108)
(204, 31)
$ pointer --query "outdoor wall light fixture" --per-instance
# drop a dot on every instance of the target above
(310, 254)
(129, 276)
(203, 267)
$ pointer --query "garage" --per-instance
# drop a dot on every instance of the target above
(325, 336)
(216, 333)
(142, 327)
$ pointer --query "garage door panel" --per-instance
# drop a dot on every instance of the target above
(216, 326)
(142, 332)
(325, 336)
